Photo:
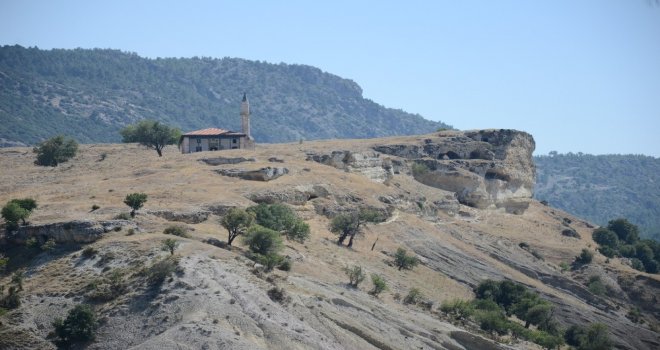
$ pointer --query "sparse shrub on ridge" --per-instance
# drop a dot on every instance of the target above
(585, 257)
(355, 275)
(161, 269)
(135, 201)
(79, 325)
(169, 245)
(176, 230)
(281, 218)
(414, 296)
(404, 261)
(380, 285)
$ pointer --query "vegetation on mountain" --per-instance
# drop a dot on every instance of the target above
(599, 188)
(55, 150)
(169, 245)
(355, 275)
(281, 218)
(237, 221)
(621, 238)
(404, 261)
(17, 210)
(91, 94)
(262, 240)
(79, 325)
(349, 225)
(151, 134)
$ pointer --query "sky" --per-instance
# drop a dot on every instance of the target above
(580, 76)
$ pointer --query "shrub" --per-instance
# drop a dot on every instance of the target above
(605, 237)
(414, 296)
(355, 275)
(635, 315)
(419, 169)
(607, 251)
(95, 207)
(13, 298)
(380, 285)
(80, 325)
(637, 264)
(523, 245)
(123, 216)
(263, 240)
(135, 201)
(176, 230)
(585, 257)
(269, 261)
(49, 245)
(349, 225)
(493, 322)
(169, 245)
(285, 265)
(108, 288)
(457, 308)
(161, 269)
(277, 295)
(626, 231)
(55, 150)
(564, 266)
(281, 218)
(404, 261)
(17, 210)
(236, 221)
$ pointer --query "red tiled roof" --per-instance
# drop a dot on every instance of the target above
(208, 132)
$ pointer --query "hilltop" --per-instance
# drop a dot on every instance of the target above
(91, 94)
(459, 201)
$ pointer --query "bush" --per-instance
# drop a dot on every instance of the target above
(176, 230)
(281, 218)
(419, 169)
(237, 221)
(605, 237)
(95, 207)
(161, 269)
(135, 201)
(285, 265)
(55, 150)
(263, 240)
(349, 225)
(564, 266)
(493, 322)
(88, 252)
(123, 216)
(269, 261)
(18, 210)
(80, 325)
(607, 251)
(637, 264)
(49, 245)
(414, 296)
(404, 261)
(169, 245)
(13, 298)
(585, 257)
(626, 231)
(277, 295)
(108, 288)
(457, 308)
(355, 275)
(380, 285)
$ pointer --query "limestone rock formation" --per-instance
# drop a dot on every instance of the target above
(189, 217)
(369, 164)
(263, 174)
(77, 231)
(225, 160)
(485, 168)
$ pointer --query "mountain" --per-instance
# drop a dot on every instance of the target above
(460, 202)
(603, 187)
(91, 94)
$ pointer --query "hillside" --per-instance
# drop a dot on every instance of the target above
(604, 187)
(90, 94)
(459, 201)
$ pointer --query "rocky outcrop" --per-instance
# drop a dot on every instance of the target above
(369, 164)
(297, 195)
(68, 232)
(225, 160)
(263, 174)
(485, 168)
(189, 217)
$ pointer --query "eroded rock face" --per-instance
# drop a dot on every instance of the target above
(225, 160)
(67, 232)
(369, 164)
(189, 217)
(485, 168)
(296, 195)
(263, 174)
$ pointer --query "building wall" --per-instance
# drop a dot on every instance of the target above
(202, 144)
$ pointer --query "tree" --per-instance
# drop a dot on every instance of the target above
(626, 231)
(151, 134)
(380, 285)
(169, 245)
(236, 221)
(605, 237)
(355, 275)
(80, 325)
(348, 225)
(135, 201)
(281, 218)
(13, 213)
(585, 257)
(404, 261)
(55, 150)
(262, 240)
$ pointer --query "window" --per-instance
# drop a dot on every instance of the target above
(199, 141)
(234, 141)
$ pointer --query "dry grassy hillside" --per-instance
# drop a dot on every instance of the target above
(218, 301)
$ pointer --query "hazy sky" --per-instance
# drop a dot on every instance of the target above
(581, 76)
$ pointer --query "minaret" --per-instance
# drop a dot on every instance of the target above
(245, 117)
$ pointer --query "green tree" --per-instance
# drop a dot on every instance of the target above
(348, 225)
(135, 201)
(151, 134)
(13, 213)
(380, 285)
(605, 237)
(404, 261)
(585, 257)
(236, 221)
(281, 218)
(262, 240)
(80, 325)
(169, 245)
(355, 275)
(626, 231)
(414, 296)
(55, 150)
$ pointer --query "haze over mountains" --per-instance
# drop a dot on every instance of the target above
(91, 94)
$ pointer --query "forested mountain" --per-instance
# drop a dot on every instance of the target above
(91, 94)
(604, 187)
